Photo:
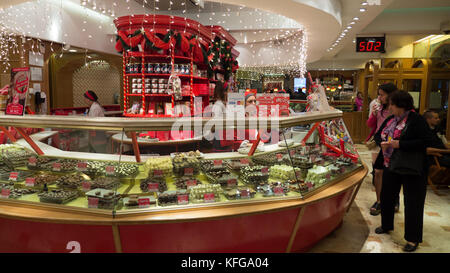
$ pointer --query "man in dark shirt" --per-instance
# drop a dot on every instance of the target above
(439, 146)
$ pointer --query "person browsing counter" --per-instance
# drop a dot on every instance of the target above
(379, 112)
(404, 137)
(95, 109)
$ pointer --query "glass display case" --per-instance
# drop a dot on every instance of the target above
(305, 154)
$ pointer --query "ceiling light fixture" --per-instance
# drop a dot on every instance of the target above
(364, 3)
(362, 9)
(355, 18)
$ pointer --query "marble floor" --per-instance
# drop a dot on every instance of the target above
(357, 234)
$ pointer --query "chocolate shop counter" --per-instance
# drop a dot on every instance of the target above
(282, 196)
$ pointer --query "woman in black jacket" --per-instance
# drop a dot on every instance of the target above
(404, 137)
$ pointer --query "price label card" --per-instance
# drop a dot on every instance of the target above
(278, 191)
(209, 198)
(309, 185)
(86, 185)
(245, 161)
(30, 181)
(191, 183)
(56, 167)
(183, 199)
(279, 157)
(343, 169)
(82, 166)
(110, 170)
(144, 202)
(265, 170)
(32, 161)
(292, 152)
(93, 202)
(232, 182)
(157, 173)
(218, 163)
(5, 193)
(328, 176)
(298, 174)
(153, 187)
(244, 193)
(13, 176)
(188, 171)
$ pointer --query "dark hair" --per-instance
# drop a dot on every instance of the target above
(402, 99)
(90, 95)
(388, 87)
(428, 114)
(219, 91)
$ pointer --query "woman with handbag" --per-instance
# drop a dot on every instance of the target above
(379, 111)
(404, 137)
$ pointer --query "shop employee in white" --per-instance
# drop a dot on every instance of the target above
(95, 109)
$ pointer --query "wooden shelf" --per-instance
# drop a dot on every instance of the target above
(166, 75)
(141, 54)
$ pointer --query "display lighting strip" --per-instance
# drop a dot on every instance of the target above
(348, 27)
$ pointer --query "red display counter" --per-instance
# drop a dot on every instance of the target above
(284, 226)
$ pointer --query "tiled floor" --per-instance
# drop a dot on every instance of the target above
(357, 234)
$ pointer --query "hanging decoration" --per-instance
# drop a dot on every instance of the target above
(218, 56)
(130, 40)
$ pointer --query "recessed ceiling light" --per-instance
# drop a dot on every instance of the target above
(355, 18)
(362, 9)
(72, 50)
(352, 23)
(345, 30)
(364, 3)
(349, 27)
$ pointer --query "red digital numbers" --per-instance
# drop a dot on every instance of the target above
(362, 46)
(377, 46)
(369, 46)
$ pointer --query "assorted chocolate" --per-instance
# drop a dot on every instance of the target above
(107, 199)
(105, 183)
(255, 175)
(186, 164)
(152, 184)
(71, 181)
(58, 196)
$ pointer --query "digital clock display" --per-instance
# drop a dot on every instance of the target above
(370, 44)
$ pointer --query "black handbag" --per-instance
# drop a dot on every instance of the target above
(407, 163)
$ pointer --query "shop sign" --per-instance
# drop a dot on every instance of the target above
(93, 202)
(191, 183)
(29, 181)
(244, 193)
(218, 163)
(265, 171)
(153, 187)
(278, 191)
(13, 176)
(56, 167)
(157, 173)
(183, 199)
(209, 198)
(110, 170)
(189, 171)
(280, 157)
(5, 193)
(245, 161)
(32, 161)
(18, 91)
(232, 182)
(82, 166)
(86, 185)
(144, 202)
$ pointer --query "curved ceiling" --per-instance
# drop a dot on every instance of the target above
(256, 21)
